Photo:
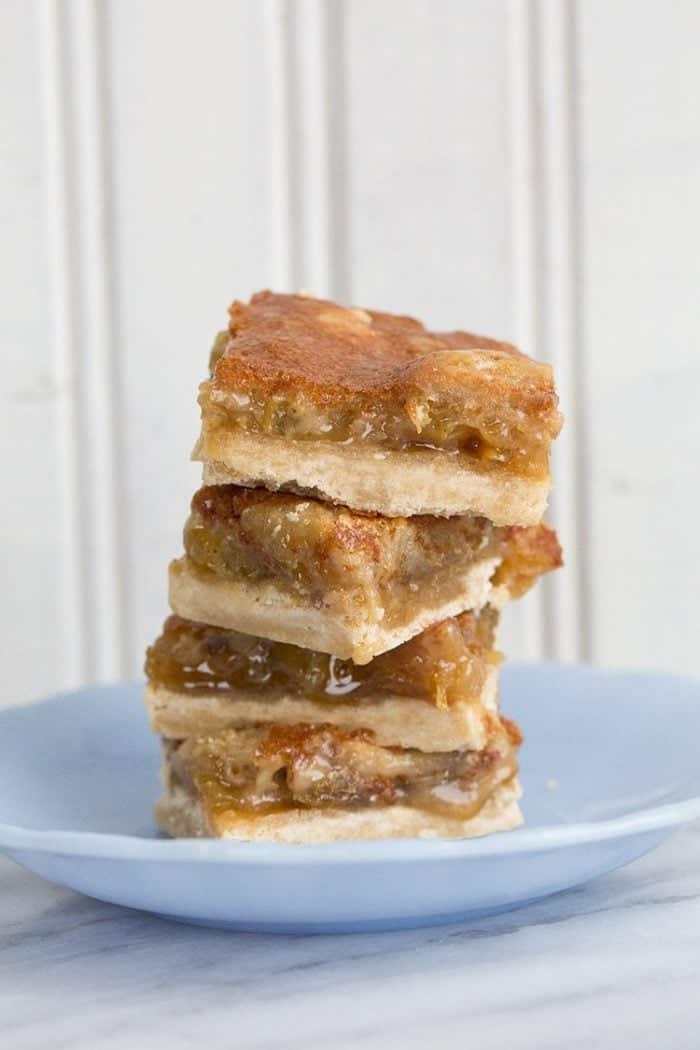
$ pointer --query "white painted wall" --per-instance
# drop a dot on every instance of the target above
(527, 169)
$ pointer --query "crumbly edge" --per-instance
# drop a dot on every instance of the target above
(182, 817)
(263, 609)
(394, 483)
(395, 721)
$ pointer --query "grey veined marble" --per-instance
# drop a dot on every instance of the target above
(615, 964)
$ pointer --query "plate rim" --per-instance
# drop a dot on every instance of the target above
(110, 846)
(96, 845)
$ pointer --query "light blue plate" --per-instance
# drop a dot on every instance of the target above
(610, 768)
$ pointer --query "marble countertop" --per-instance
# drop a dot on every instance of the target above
(612, 964)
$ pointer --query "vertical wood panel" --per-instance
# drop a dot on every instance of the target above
(308, 117)
(275, 59)
(95, 347)
(528, 169)
(81, 332)
(194, 154)
(428, 182)
(640, 163)
(303, 36)
(434, 177)
(337, 103)
(41, 570)
(559, 329)
(526, 212)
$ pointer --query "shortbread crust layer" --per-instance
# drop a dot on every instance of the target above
(180, 815)
(392, 483)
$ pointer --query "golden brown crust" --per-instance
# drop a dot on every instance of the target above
(294, 342)
(308, 369)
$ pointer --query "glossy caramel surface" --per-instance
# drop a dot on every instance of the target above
(445, 664)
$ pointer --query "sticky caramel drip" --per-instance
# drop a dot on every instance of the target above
(445, 664)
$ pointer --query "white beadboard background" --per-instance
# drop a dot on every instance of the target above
(526, 169)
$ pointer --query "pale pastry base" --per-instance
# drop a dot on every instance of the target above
(181, 816)
(393, 483)
(395, 721)
(263, 609)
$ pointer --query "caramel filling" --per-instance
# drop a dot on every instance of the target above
(445, 664)
(294, 420)
(390, 568)
(266, 770)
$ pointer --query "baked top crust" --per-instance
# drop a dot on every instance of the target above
(309, 369)
(328, 349)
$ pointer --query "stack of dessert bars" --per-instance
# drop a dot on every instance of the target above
(373, 494)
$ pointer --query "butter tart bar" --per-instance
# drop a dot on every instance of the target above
(435, 692)
(374, 411)
(326, 578)
(318, 782)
